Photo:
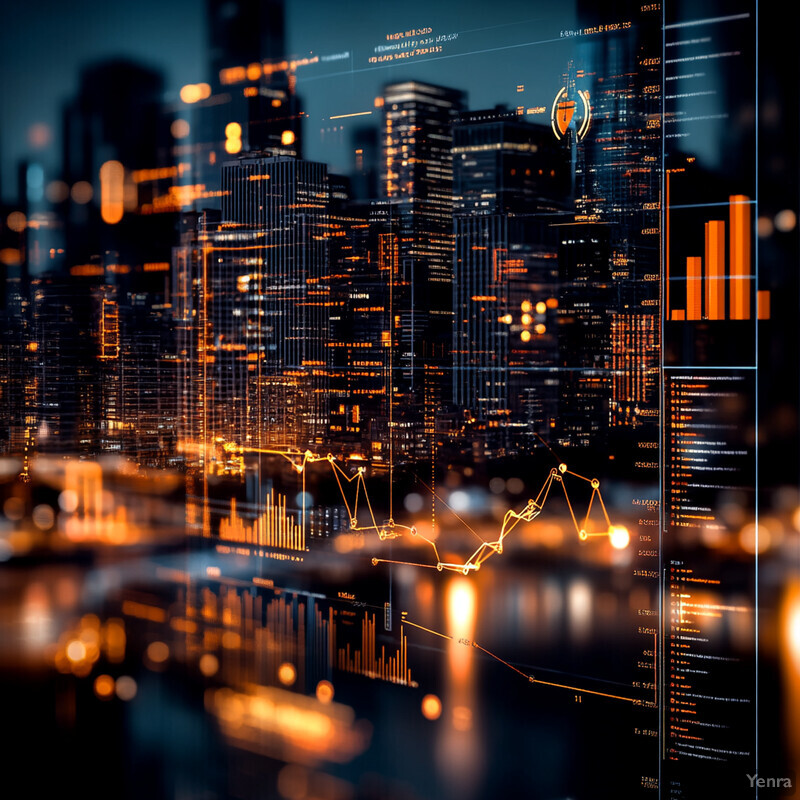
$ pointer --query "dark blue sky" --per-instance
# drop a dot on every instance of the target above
(499, 45)
(44, 43)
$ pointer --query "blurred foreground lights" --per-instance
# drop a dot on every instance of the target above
(619, 537)
(233, 130)
(76, 651)
(793, 626)
(459, 501)
(296, 782)
(57, 191)
(39, 135)
(287, 674)
(287, 137)
(287, 725)
(785, 220)
(81, 192)
(209, 664)
(16, 221)
(112, 179)
(14, 509)
(157, 654)
(413, 502)
(43, 517)
(11, 257)
(431, 707)
(304, 499)
(497, 485)
(68, 501)
(515, 486)
(325, 691)
(193, 92)
(293, 782)
(462, 718)
(461, 603)
(104, 687)
(179, 129)
(126, 688)
(755, 538)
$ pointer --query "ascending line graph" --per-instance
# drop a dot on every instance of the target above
(390, 529)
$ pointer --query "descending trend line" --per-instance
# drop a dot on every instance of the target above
(390, 529)
(530, 678)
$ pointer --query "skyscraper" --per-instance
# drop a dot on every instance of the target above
(418, 182)
(509, 180)
(266, 268)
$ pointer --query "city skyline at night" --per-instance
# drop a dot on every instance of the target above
(397, 401)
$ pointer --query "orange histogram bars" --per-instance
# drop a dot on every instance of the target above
(694, 288)
(715, 269)
(740, 256)
(272, 528)
(368, 662)
(706, 276)
(763, 304)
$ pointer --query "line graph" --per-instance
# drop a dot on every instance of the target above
(390, 529)
(530, 678)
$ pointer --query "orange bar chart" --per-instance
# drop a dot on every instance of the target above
(712, 293)
(740, 256)
(715, 269)
(694, 288)
(368, 662)
(273, 528)
(762, 304)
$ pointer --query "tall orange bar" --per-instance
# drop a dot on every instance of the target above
(694, 287)
(740, 256)
(715, 269)
(678, 314)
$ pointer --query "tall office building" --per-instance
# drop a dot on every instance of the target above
(509, 182)
(364, 246)
(64, 363)
(609, 257)
(586, 302)
(418, 183)
(17, 385)
(267, 304)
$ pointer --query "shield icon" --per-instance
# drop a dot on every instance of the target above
(564, 113)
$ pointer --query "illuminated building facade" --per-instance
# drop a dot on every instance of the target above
(509, 181)
(418, 182)
(363, 267)
(585, 305)
(268, 306)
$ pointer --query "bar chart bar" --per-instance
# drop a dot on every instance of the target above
(694, 288)
(763, 304)
(740, 256)
(715, 270)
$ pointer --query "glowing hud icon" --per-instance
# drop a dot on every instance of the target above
(570, 109)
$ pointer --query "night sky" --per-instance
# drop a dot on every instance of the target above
(43, 46)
